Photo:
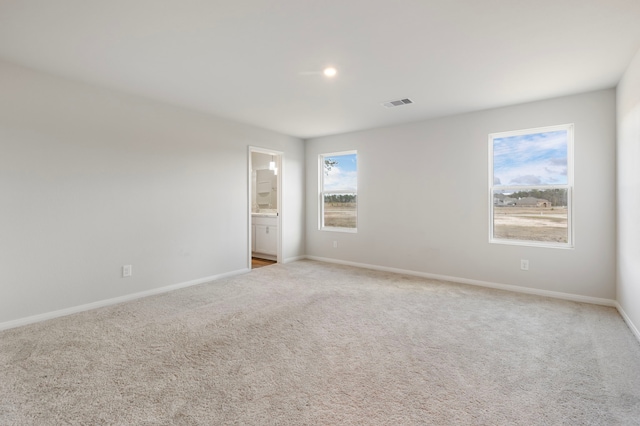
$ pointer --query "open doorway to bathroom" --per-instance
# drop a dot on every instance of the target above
(265, 207)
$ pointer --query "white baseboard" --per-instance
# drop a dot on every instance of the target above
(102, 303)
(507, 287)
(630, 323)
(546, 293)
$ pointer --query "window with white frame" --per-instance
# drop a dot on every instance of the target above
(338, 191)
(530, 186)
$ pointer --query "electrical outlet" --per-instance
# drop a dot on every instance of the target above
(127, 271)
(335, 244)
(524, 264)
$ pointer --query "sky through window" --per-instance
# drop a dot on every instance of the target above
(343, 175)
(531, 159)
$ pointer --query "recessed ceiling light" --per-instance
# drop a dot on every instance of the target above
(330, 72)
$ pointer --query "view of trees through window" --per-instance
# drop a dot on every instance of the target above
(531, 185)
(339, 191)
(537, 215)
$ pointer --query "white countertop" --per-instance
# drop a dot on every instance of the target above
(265, 213)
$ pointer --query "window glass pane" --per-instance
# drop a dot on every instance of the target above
(531, 215)
(340, 173)
(339, 190)
(531, 159)
(340, 210)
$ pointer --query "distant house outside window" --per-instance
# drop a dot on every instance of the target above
(338, 191)
(530, 187)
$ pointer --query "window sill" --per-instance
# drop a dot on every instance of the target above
(335, 229)
(565, 246)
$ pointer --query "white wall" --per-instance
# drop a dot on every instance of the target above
(93, 179)
(423, 198)
(628, 110)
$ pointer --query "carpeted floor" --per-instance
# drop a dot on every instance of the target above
(309, 343)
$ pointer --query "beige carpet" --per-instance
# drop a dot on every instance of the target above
(309, 343)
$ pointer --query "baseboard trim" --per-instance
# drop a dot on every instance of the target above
(102, 303)
(506, 287)
(627, 319)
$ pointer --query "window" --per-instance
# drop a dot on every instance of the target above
(530, 186)
(339, 191)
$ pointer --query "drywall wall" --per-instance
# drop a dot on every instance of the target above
(423, 200)
(93, 179)
(628, 182)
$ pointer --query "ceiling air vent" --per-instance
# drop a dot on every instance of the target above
(399, 102)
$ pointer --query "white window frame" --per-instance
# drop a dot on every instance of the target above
(568, 187)
(322, 193)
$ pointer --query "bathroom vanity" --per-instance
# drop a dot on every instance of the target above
(264, 241)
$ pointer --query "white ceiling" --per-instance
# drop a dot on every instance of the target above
(254, 60)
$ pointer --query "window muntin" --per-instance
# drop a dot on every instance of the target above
(530, 186)
(339, 191)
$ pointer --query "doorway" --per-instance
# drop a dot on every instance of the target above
(265, 207)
